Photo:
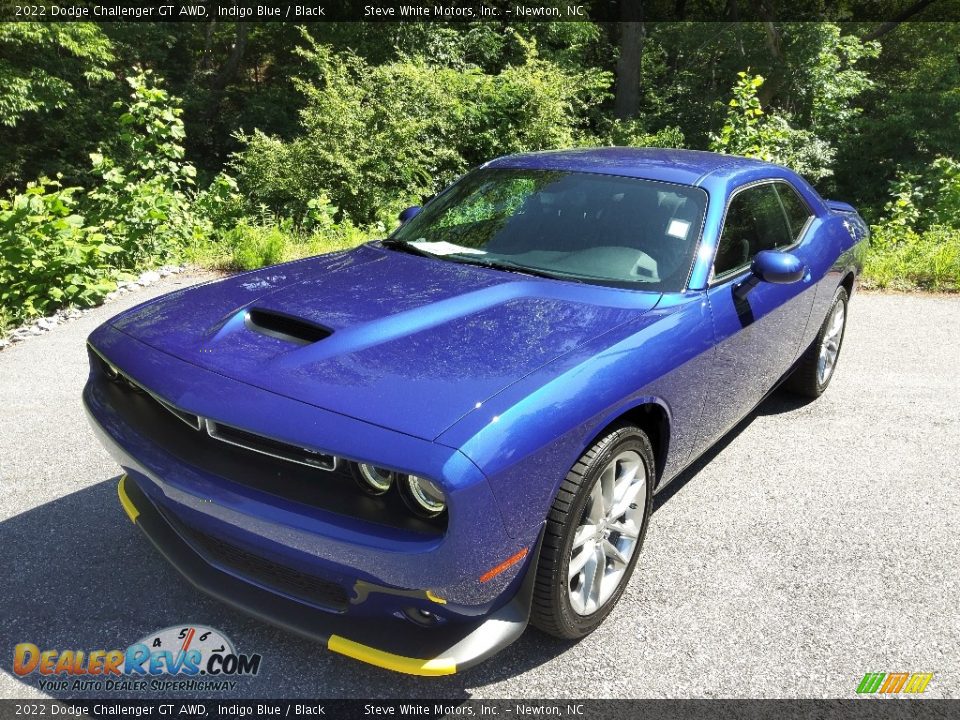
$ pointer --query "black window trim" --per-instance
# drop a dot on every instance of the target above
(714, 280)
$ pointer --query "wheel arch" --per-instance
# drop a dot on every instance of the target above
(848, 282)
(650, 415)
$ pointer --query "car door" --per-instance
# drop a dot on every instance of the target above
(757, 329)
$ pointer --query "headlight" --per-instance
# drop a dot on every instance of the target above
(423, 496)
(373, 480)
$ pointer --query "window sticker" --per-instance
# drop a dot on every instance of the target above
(442, 247)
(678, 229)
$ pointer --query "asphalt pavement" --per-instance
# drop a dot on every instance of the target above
(819, 541)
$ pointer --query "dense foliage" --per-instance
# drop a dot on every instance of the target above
(379, 137)
(919, 241)
(240, 144)
(51, 255)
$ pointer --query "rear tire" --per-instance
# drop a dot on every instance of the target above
(596, 527)
(818, 364)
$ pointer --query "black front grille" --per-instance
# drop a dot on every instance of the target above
(269, 446)
(294, 583)
(305, 476)
(125, 381)
(226, 433)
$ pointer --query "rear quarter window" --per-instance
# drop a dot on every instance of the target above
(796, 209)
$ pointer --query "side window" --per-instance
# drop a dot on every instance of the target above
(796, 209)
(755, 221)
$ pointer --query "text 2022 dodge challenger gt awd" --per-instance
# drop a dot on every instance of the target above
(410, 449)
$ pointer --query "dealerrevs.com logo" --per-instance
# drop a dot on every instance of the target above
(182, 657)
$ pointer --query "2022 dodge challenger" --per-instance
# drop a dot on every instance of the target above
(411, 449)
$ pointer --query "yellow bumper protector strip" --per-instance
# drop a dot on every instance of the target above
(397, 663)
(127, 503)
(435, 598)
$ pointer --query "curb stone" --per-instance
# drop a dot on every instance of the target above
(43, 325)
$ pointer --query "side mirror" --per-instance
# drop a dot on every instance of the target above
(409, 213)
(778, 267)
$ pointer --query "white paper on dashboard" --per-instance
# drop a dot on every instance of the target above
(442, 247)
(678, 229)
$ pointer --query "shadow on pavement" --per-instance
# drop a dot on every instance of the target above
(779, 402)
(78, 575)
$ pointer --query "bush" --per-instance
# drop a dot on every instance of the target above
(256, 242)
(142, 201)
(633, 133)
(904, 259)
(253, 246)
(378, 138)
(751, 132)
(220, 203)
(932, 197)
(63, 246)
(917, 244)
(50, 255)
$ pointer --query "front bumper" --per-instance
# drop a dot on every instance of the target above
(233, 529)
(383, 642)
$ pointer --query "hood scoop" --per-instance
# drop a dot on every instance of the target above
(284, 327)
(390, 339)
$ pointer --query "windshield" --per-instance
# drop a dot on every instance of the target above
(603, 229)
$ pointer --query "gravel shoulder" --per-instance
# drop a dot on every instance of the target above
(764, 574)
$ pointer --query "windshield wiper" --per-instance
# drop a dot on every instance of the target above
(405, 246)
(409, 247)
(511, 267)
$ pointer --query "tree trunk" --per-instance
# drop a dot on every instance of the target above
(232, 64)
(218, 87)
(895, 22)
(770, 89)
(773, 40)
(632, 34)
(733, 12)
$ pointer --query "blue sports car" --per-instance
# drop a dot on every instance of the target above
(410, 450)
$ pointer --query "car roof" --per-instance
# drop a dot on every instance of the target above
(689, 167)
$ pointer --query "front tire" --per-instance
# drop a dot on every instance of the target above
(594, 533)
(817, 365)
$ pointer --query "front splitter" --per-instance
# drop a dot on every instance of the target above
(387, 643)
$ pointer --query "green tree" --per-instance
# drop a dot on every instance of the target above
(910, 114)
(44, 69)
(375, 137)
(751, 132)
(42, 65)
(143, 198)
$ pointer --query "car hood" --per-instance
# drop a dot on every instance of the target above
(404, 342)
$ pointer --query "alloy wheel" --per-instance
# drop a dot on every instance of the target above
(830, 345)
(608, 533)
